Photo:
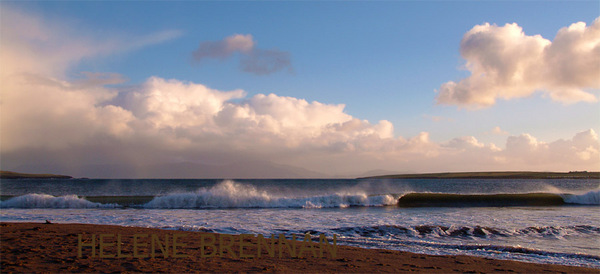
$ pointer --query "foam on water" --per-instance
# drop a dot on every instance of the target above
(589, 198)
(565, 235)
(355, 210)
(473, 232)
(230, 194)
(49, 201)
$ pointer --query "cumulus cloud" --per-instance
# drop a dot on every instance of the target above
(192, 112)
(526, 149)
(170, 120)
(254, 60)
(506, 63)
(51, 123)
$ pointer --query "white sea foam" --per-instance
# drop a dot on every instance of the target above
(553, 234)
(589, 198)
(472, 232)
(49, 201)
(230, 194)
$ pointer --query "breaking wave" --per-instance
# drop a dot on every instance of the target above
(590, 198)
(49, 201)
(229, 194)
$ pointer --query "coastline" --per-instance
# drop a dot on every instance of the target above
(493, 175)
(39, 247)
(16, 175)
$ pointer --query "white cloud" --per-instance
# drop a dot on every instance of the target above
(174, 104)
(42, 109)
(194, 112)
(506, 63)
(254, 60)
(49, 113)
(33, 45)
(527, 150)
(465, 142)
(48, 120)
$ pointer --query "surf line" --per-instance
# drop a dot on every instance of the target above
(177, 246)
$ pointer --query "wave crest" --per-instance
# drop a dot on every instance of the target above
(589, 198)
(49, 201)
(230, 194)
(497, 200)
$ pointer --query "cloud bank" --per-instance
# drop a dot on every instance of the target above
(506, 63)
(50, 123)
(254, 60)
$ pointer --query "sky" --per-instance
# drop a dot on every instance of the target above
(135, 89)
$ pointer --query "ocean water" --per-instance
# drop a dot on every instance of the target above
(547, 221)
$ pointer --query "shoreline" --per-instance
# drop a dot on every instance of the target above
(39, 247)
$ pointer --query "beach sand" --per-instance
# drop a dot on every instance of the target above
(39, 247)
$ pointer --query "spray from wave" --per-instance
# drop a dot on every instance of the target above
(589, 198)
(49, 201)
(230, 194)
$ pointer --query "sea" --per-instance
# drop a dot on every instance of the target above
(554, 221)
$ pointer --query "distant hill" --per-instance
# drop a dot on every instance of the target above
(16, 175)
(494, 175)
(376, 172)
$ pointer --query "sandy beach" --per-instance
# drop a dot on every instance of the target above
(40, 247)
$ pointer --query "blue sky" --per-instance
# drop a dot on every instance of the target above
(383, 60)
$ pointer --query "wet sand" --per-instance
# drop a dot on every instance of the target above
(39, 247)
